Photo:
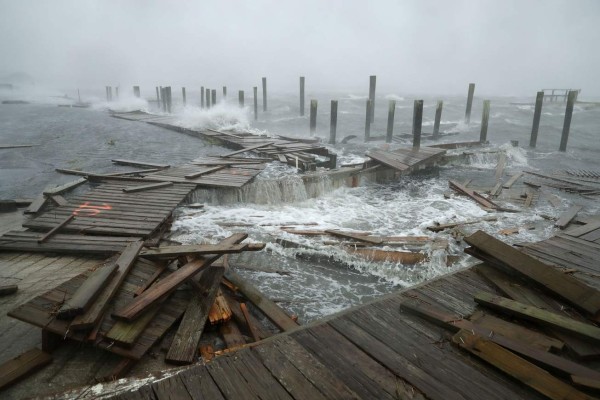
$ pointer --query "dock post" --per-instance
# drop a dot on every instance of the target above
(438, 118)
(136, 91)
(372, 84)
(241, 98)
(568, 116)
(264, 87)
(163, 96)
(313, 117)
(302, 96)
(368, 122)
(202, 97)
(469, 103)
(539, 99)
(485, 117)
(169, 99)
(255, 89)
(390, 124)
(117, 92)
(157, 97)
(207, 93)
(109, 93)
(224, 92)
(213, 100)
(333, 121)
(183, 96)
(417, 123)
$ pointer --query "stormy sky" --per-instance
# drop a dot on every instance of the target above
(508, 47)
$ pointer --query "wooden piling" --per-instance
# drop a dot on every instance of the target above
(417, 123)
(163, 97)
(264, 88)
(202, 97)
(485, 116)
(539, 100)
(136, 92)
(438, 118)
(224, 92)
(213, 99)
(169, 99)
(368, 121)
(333, 121)
(390, 122)
(302, 96)
(109, 93)
(183, 96)
(255, 89)
(469, 103)
(241, 98)
(207, 92)
(568, 116)
(157, 97)
(372, 84)
(117, 92)
(313, 117)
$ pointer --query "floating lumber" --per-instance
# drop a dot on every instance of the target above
(567, 287)
(441, 227)
(59, 200)
(184, 347)
(88, 291)
(93, 315)
(36, 205)
(8, 289)
(170, 283)
(245, 149)
(404, 257)
(566, 218)
(16, 146)
(538, 315)
(52, 231)
(486, 203)
(517, 367)
(140, 164)
(132, 189)
(23, 365)
(204, 172)
(220, 312)
(512, 180)
(199, 249)
(269, 308)
(583, 230)
(66, 187)
(500, 166)
(354, 236)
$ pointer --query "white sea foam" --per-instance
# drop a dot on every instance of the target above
(393, 97)
(221, 117)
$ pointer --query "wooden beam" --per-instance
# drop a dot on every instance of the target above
(538, 315)
(249, 322)
(441, 227)
(486, 203)
(354, 236)
(8, 289)
(517, 367)
(88, 291)
(269, 308)
(63, 188)
(36, 205)
(566, 217)
(258, 146)
(23, 365)
(184, 347)
(94, 314)
(199, 249)
(126, 333)
(140, 164)
(133, 189)
(52, 231)
(206, 171)
(567, 287)
(59, 200)
(512, 180)
(136, 307)
(162, 266)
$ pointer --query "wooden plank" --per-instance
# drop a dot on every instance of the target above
(8, 289)
(588, 383)
(88, 291)
(162, 266)
(249, 322)
(231, 334)
(66, 187)
(126, 333)
(170, 388)
(199, 249)
(565, 286)
(512, 180)
(500, 166)
(404, 257)
(220, 312)
(245, 149)
(52, 231)
(204, 172)
(354, 236)
(515, 366)
(140, 164)
(184, 347)
(170, 283)
(538, 315)
(387, 159)
(23, 365)
(441, 227)
(124, 264)
(269, 308)
(36, 205)
(486, 203)
(59, 200)
(141, 188)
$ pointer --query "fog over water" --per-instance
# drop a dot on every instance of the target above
(508, 47)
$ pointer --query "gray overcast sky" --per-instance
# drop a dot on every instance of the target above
(422, 46)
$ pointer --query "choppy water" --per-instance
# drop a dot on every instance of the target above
(325, 279)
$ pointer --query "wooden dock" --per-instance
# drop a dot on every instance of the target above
(418, 343)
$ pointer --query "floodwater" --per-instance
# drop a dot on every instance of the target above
(318, 279)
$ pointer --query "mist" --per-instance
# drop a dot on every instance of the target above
(429, 47)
